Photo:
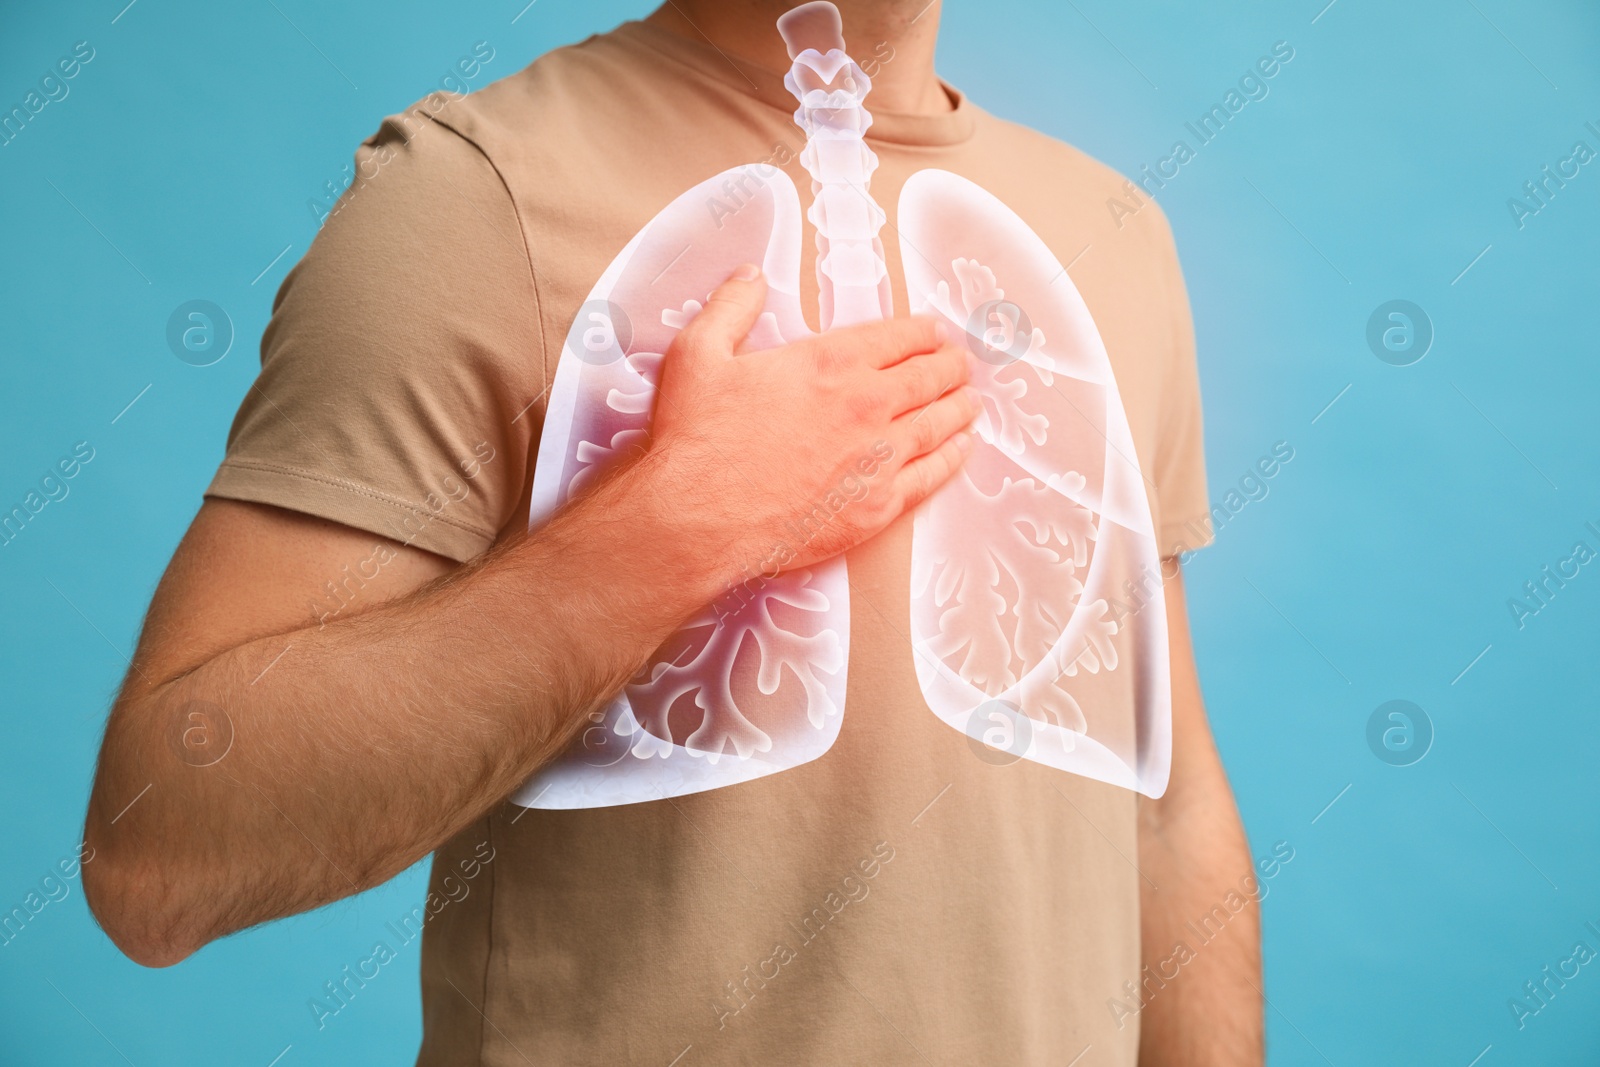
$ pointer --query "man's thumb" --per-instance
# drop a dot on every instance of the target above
(730, 313)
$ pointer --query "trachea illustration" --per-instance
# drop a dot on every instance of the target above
(1038, 622)
(853, 281)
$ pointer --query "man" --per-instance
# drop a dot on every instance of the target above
(375, 653)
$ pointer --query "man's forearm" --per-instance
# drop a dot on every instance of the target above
(375, 738)
(1200, 933)
(362, 745)
(1199, 987)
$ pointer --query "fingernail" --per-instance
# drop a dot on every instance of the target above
(974, 397)
(749, 272)
(963, 442)
(941, 332)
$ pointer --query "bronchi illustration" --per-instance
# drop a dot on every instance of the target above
(1038, 626)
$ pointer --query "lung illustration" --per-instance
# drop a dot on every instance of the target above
(1036, 609)
(1023, 567)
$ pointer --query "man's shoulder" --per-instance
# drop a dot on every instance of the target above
(558, 92)
(1066, 174)
(1063, 158)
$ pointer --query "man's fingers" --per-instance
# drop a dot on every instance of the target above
(916, 382)
(884, 343)
(922, 431)
(730, 313)
(918, 480)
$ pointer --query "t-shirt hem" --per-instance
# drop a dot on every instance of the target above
(411, 523)
(1179, 538)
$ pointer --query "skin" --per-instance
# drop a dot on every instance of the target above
(1192, 847)
(745, 28)
(351, 748)
(1191, 841)
(364, 742)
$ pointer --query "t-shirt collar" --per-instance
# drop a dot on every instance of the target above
(738, 73)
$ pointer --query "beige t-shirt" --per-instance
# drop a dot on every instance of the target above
(897, 900)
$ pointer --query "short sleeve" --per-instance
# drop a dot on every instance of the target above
(402, 355)
(1180, 468)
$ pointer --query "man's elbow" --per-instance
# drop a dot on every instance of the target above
(137, 913)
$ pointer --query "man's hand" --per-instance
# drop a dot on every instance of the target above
(872, 413)
(361, 743)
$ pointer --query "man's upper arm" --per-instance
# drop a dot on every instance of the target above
(1194, 755)
(244, 571)
(401, 351)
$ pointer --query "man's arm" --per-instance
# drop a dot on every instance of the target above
(1203, 1005)
(362, 743)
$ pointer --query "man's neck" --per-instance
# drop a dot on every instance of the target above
(905, 83)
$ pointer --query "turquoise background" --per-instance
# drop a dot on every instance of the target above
(1377, 567)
